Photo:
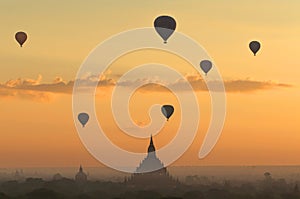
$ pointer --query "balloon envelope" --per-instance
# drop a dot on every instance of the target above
(167, 110)
(165, 26)
(206, 65)
(21, 37)
(254, 46)
(83, 118)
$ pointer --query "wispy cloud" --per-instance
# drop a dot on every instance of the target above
(57, 86)
(26, 88)
(198, 84)
(248, 85)
(38, 96)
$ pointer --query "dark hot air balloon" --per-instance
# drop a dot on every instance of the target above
(206, 65)
(165, 26)
(254, 46)
(167, 110)
(83, 118)
(21, 37)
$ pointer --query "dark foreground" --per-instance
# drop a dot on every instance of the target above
(37, 188)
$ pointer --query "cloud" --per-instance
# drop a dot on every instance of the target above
(57, 86)
(23, 82)
(57, 80)
(6, 93)
(248, 85)
(36, 90)
(198, 84)
(33, 89)
(26, 88)
(233, 86)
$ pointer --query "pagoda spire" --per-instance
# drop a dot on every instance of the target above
(151, 147)
(151, 140)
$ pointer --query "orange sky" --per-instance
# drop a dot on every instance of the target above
(263, 95)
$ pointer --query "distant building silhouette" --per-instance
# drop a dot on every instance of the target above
(151, 162)
(296, 189)
(268, 177)
(57, 177)
(158, 177)
(19, 176)
(80, 177)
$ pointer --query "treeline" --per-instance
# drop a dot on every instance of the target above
(37, 188)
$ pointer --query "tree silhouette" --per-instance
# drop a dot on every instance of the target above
(43, 194)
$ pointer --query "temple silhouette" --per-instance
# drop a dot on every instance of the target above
(81, 177)
(158, 175)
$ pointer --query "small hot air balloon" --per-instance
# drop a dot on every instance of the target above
(206, 65)
(165, 26)
(83, 118)
(21, 37)
(167, 110)
(254, 46)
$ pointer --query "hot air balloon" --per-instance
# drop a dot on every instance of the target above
(167, 110)
(254, 46)
(206, 65)
(21, 37)
(165, 26)
(83, 118)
